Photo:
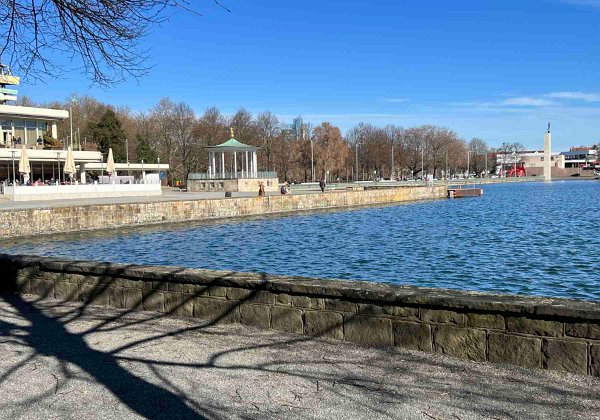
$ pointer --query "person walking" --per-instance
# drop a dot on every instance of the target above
(322, 184)
(261, 190)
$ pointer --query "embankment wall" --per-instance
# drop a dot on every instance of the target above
(556, 334)
(39, 221)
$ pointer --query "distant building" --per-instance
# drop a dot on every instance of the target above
(529, 158)
(297, 130)
(577, 161)
(581, 157)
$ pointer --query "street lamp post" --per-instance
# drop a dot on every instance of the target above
(392, 166)
(422, 163)
(486, 164)
(127, 156)
(73, 102)
(312, 161)
(357, 162)
(446, 173)
(58, 165)
(13, 166)
(468, 163)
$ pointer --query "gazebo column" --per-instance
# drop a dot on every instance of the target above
(246, 163)
(223, 164)
(213, 165)
(255, 161)
(235, 163)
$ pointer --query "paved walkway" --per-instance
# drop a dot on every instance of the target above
(168, 195)
(63, 361)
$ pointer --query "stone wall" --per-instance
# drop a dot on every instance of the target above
(233, 185)
(556, 334)
(27, 222)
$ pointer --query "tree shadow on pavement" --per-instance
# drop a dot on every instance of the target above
(379, 383)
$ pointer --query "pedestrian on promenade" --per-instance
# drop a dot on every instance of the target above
(322, 185)
(261, 190)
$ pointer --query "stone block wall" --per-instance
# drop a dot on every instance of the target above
(41, 221)
(556, 334)
(233, 185)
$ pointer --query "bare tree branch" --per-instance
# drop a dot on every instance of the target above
(104, 36)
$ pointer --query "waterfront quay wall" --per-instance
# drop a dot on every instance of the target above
(29, 222)
(534, 332)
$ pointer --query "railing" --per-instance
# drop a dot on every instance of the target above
(200, 176)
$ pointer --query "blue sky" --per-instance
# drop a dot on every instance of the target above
(499, 70)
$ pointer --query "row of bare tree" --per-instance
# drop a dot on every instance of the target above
(175, 134)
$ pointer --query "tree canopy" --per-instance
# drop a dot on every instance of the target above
(108, 134)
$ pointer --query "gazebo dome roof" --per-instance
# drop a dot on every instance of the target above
(231, 145)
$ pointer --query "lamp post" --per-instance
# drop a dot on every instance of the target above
(127, 156)
(13, 165)
(312, 161)
(392, 166)
(58, 165)
(422, 163)
(158, 161)
(357, 162)
(486, 164)
(73, 102)
(468, 163)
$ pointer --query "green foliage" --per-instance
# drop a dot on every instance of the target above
(143, 149)
(49, 141)
(108, 133)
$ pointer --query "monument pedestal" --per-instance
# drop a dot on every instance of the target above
(548, 156)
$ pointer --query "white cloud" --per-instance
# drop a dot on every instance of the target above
(396, 100)
(514, 103)
(527, 101)
(580, 96)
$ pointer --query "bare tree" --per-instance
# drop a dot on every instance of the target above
(103, 36)
(162, 118)
(479, 151)
(187, 147)
(268, 129)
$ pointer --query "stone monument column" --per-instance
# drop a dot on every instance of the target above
(548, 155)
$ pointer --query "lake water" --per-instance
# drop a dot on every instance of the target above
(526, 238)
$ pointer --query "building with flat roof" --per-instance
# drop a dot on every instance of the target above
(25, 124)
(580, 157)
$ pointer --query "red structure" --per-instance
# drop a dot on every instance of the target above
(518, 171)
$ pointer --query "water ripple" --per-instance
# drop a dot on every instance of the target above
(537, 238)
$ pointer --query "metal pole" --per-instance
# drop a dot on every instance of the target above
(78, 139)
(486, 164)
(71, 122)
(13, 165)
(58, 165)
(357, 161)
(468, 162)
(312, 161)
(422, 163)
(143, 177)
(392, 170)
(446, 174)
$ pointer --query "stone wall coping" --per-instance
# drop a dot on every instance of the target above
(372, 292)
(191, 201)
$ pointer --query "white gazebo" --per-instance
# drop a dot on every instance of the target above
(243, 162)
